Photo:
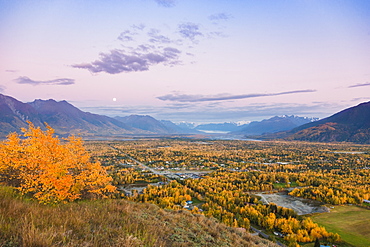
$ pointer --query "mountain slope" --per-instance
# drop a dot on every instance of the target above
(153, 126)
(14, 114)
(61, 116)
(65, 118)
(349, 125)
(272, 125)
(179, 129)
(146, 123)
(111, 223)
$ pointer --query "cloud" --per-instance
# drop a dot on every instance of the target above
(127, 35)
(222, 97)
(360, 85)
(156, 37)
(220, 17)
(140, 27)
(11, 70)
(2, 88)
(166, 3)
(151, 48)
(360, 99)
(60, 81)
(189, 30)
(117, 61)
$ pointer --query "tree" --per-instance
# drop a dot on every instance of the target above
(317, 242)
(40, 165)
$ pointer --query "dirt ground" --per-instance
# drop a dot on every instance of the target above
(299, 205)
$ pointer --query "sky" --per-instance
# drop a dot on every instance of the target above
(197, 61)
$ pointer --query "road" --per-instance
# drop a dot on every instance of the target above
(138, 162)
(263, 199)
(260, 232)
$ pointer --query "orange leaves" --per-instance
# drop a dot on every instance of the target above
(40, 165)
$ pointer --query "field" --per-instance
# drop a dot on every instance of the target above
(299, 205)
(351, 222)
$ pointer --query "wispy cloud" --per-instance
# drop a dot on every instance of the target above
(2, 88)
(140, 26)
(156, 37)
(220, 17)
(166, 3)
(360, 85)
(11, 71)
(189, 30)
(360, 99)
(127, 35)
(118, 61)
(222, 97)
(60, 81)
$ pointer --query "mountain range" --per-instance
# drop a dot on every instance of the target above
(66, 119)
(153, 126)
(349, 125)
(272, 125)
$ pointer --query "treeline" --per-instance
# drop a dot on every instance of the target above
(330, 173)
(233, 206)
(269, 156)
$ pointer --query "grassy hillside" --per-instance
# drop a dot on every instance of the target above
(110, 223)
(351, 222)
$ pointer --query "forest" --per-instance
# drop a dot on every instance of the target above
(233, 172)
(215, 178)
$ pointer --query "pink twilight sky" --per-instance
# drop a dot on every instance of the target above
(188, 60)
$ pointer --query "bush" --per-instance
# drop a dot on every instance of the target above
(38, 164)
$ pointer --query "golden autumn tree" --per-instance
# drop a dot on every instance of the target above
(37, 163)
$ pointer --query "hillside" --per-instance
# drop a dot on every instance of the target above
(62, 116)
(152, 126)
(181, 129)
(110, 223)
(67, 119)
(349, 125)
(272, 125)
(14, 114)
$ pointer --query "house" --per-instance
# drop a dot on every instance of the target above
(367, 201)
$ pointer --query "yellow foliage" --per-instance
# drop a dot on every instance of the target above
(40, 165)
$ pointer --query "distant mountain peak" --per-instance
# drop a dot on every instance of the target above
(152, 125)
(273, 125)
(349, 125)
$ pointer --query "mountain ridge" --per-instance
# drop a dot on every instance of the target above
(273, 125)
(67, 119)
(349, 125)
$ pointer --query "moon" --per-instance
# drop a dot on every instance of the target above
(114, 99)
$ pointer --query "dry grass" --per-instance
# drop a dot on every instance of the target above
(110, 223)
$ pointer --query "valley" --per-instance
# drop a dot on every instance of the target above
(275, 186)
